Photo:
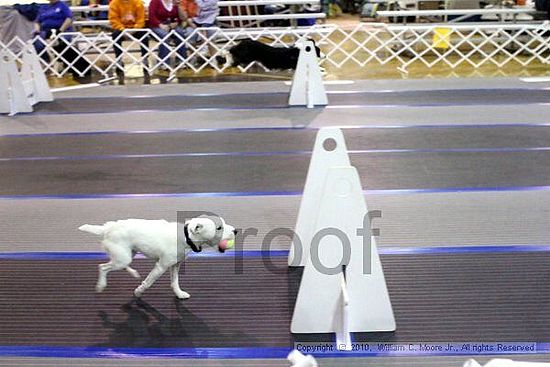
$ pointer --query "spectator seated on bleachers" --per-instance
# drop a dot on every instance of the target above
(127, 14)
(190, 8)
(205, 16)
(53, 18)
(95, 15)
(166, 18)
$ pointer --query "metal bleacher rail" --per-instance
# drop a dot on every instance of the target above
(229, 20)
(502, 14)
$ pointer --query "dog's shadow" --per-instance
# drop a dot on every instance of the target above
(146, 327)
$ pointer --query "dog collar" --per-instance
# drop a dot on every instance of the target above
(188, 240)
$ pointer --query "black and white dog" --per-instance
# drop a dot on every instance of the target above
(274, 58)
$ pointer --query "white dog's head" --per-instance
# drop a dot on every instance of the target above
(208, 231)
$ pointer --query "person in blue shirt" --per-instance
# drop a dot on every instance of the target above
(56, 17)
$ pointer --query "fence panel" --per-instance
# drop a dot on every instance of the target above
(430, 45)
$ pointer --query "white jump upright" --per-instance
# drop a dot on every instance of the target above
(329, 150)
(343, 289)
(20, 91)
(307, 84)
(4, 80)
(34, 79)
(13, 98)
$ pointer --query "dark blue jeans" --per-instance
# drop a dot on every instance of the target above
(179, 43)
(40, 44)
(140, 35)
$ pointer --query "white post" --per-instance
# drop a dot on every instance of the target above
(329, 150)
(343, 336)
(307, 84)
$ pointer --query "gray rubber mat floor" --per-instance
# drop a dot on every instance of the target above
(477, 149)
(456, 361)
(280, 100)
(413, 158)
(366, 116)
(373, 85)
(254, 174)
(427, 220)
(512, 113)
(481, 297)
(323, 362)
(276, 141)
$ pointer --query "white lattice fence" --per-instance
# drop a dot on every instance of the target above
(429, 45)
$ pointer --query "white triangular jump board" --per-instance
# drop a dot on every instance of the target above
(329, 150)
(34, 78)
(307, 84)
(20, 91)
(319, 303)
(13, 98)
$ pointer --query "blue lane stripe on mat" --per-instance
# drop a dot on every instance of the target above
(271, 153)
(274, 128)
(239, 353)
(152, 195)
(283, 253)
(268, 193)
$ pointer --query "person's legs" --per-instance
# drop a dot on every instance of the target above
(208, 34)
(190, 32)
(179, 40)
(163, 49)
(72, 58)
(144, 45)
(39, 45)
(118, 46)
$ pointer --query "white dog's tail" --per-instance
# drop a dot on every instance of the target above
(97, 230)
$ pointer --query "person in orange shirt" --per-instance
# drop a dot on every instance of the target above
(190, 8)
(127, 14)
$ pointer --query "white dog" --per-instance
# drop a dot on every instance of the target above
(157, 239)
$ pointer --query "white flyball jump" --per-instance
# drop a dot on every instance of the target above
(343, 289)
(307, 84)
(19, 91)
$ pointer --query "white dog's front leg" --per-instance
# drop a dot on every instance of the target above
(157, 271)
(104, 269)
(174, 277)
